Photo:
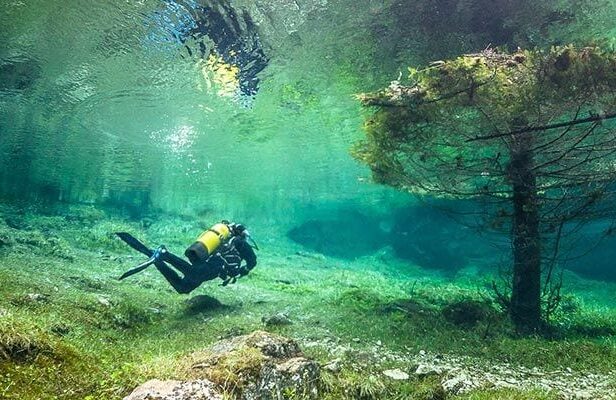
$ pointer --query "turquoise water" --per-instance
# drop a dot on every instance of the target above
(114, 107)
(109, 103)
(162, 117)
(115, 104)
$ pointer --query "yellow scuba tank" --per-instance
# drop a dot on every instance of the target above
(207, 243)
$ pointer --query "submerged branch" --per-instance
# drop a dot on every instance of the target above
(592, 118)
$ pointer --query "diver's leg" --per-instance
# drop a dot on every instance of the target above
(181, 285)
(182, 265)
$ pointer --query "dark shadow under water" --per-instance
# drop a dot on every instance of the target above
(431, 238)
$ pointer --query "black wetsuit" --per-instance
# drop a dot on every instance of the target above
(224, 264)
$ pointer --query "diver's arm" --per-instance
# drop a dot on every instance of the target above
(248, 255)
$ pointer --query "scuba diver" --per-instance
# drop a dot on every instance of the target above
(217, 253)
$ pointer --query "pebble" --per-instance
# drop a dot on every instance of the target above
(425, 370)
(396, 374)
(333, 365)
(276, 320)
(104, 301)
(36, 297)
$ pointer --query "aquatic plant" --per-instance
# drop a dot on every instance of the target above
(527, 135)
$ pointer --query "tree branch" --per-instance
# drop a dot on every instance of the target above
(592, 118)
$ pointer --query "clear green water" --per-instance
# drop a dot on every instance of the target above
(119, 110)
(100, 105)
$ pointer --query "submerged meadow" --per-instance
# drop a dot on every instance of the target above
(429, 184)
(71, 330)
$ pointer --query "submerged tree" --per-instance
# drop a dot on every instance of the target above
(530, 134)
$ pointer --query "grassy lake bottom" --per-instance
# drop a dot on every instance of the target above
(69, 329)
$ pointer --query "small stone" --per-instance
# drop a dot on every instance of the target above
(426, 369)
(422, 353)
(333, 366)
(276, 320)
(379, 343)
(459, 384)
(104, 301)
(396, 374)
(356, 340)
(37, 297)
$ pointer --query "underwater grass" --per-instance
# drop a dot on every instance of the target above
(70, 330)
(508, 394)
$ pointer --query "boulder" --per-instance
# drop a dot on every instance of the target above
(176, 390)
(260, 365)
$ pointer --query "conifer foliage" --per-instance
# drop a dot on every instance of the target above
(529, 135)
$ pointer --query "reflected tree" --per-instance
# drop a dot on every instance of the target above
(530, 135)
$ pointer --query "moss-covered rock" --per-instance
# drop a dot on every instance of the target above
(260, 365)
(175, 390)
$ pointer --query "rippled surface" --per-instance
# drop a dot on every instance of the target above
(108, 99)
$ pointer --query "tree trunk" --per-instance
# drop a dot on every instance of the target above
(526, 289)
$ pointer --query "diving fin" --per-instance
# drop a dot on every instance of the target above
(138, 268)
(140, 247)
(134, 243)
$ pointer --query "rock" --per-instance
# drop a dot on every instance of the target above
(104, 301)
(269, 344)
(37, 297)
(297, 375)
(427, 369)
(333, 366)
(278, 319)
(202, 303)
(176, 390)
(260, 365)
(396, 374)
(459, 384)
